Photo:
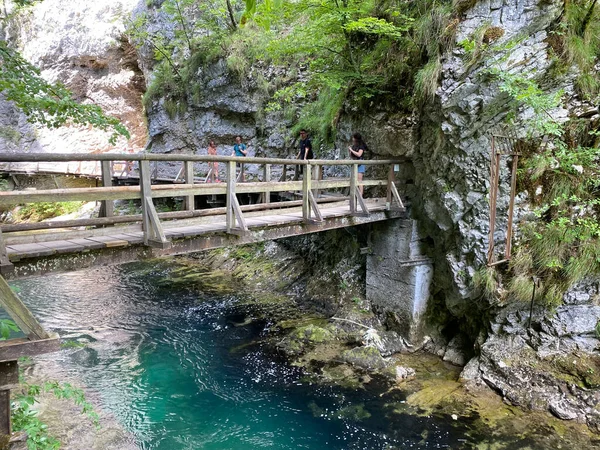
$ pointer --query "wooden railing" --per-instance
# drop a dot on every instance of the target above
(311, 183)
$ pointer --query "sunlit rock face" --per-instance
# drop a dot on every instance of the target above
(81, 44)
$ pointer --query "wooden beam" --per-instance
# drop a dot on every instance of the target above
(157, 236)
(353, 187)
(315, 207)
(188, 168)
(153, 233)
(511, 207)
(107, 208)
(306, 188)
(5, 265)
(396, 196)
(103, 221)
(72, 157)
(13, 349)
(8, 199)
(230, 193)
(18, 312)
(361, 203)
(267, 179)
(239, 217)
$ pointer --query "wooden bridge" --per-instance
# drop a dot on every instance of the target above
(324, 202)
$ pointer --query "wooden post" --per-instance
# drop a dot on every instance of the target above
(391, 180)
(188, 169)
(353, 186)
(9, 376)
(267, 179)
(5, 265)
(306, 187)
(17, 311)
(153, 233)
(107, 208)
(494, 180)
(511, 206)
(319, 177)
(230, 195)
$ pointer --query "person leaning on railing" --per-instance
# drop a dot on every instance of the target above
(306, 151)
(240, 150)
(357, 151)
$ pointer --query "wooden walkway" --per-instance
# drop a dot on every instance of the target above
(38, 248)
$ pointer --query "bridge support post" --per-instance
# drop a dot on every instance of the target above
(309, 204)
(353, 187)
(267, 179)
(5, 265)
(306, 188)
(188, 169)
(234, 212)
(154, 235)
(392, 191)
(107, 208)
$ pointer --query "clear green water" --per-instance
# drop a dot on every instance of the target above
(173, 367)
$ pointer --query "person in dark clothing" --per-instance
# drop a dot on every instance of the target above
(306, 151)
(357, 151)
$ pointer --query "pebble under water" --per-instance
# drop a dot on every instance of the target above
(179, 371)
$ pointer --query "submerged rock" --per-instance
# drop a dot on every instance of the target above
(365, 357)
(404, 374)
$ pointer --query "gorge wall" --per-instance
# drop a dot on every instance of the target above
(447, 139)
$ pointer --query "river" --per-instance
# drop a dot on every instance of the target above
(183, 370)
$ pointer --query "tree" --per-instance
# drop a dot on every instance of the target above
(47, 104)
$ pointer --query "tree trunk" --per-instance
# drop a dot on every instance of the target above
(231, 15)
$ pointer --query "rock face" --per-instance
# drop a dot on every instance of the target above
(82, 45)
(399, 276)
(454, 138)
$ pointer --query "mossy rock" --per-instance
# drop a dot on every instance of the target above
(365, 357)
(302, 339)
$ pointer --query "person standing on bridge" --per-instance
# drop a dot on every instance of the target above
(240, 150)
(213, 166)
(306, 151)
(357, 151)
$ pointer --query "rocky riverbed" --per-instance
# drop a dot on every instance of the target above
(330, 332)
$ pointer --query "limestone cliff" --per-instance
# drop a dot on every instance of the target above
(81, 44)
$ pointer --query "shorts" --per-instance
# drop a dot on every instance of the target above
(361, 168)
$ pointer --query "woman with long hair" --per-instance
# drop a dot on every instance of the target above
(213, 166)
(357, 151)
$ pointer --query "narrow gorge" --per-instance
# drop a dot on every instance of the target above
(423, 331)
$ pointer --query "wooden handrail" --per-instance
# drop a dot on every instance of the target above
(73, 157)
(152, 227)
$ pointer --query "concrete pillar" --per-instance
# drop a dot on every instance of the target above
(399, 276)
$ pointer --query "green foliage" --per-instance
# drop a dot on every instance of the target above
(50, 105)
(486, 279)
(526, 92)
(576, 41)
(426, 80)
(7, 327)
(350, 51)
(25, 416)
(36, 212)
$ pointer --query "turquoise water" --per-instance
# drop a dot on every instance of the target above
(180, 371)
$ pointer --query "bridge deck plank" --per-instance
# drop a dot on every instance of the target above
(120, 239)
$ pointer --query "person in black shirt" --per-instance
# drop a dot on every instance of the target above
(306, 151)
(357, 151)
